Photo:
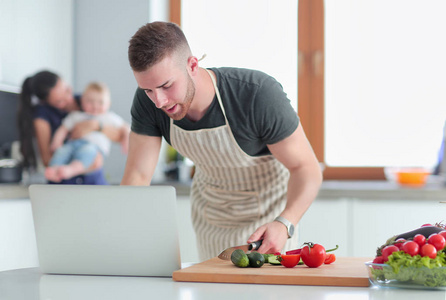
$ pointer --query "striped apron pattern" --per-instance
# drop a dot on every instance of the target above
(232, 192)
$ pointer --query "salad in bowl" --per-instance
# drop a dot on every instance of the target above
(415, 259)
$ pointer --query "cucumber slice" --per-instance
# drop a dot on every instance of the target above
(274, 260)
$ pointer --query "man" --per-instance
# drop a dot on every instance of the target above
(256, 173)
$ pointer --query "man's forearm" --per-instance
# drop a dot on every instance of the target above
(303, 187)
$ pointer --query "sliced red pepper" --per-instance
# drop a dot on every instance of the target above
(292, 252)
(329, 258)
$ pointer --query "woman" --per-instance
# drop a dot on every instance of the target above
(45, 100)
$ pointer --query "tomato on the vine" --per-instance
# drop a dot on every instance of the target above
(389, 250)
(443, 233)
(428, 250)
(437, 240)
(411, 247)
(419, 239)
(290, 260)
(399, 243)
(313, 255)
(378, 260)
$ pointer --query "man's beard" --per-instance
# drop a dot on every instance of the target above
(185, 105)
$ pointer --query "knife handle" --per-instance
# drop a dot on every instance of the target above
(255, 245)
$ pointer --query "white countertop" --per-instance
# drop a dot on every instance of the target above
(30, 284)
(377, 189)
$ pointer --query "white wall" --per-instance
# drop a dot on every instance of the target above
(35, 35)
(102, 31)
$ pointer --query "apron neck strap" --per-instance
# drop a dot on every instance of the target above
(217, 93)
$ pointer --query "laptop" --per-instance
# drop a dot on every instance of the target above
(106, 230)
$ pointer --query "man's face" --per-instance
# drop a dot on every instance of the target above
(169, 86)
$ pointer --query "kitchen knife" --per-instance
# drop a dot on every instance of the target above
(226, 254)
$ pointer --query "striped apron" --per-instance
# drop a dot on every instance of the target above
(232, 192)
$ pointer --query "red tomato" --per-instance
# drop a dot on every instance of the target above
(443, 233)
(419, 239)
(428, 250)
(313, 255)
(424, 225)
(378, 260)
(289, 261)
(329, 258)
(388, 250)
(399, 243)
(412, 248)
(438, 241)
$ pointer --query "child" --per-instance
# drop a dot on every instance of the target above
(75, 156)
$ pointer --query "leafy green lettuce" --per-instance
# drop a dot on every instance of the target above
(414, 269)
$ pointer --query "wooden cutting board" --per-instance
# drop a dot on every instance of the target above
(345, 271)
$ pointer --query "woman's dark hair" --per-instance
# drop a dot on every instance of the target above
(34, 87)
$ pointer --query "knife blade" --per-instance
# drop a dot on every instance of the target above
(226, 254)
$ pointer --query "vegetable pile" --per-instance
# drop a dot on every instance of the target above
(312, 255)
(417, 257)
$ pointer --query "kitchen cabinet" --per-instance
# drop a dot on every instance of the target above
(188, 244)
(18, 247)
(360, 216)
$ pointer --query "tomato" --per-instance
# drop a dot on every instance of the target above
(378, 260)
(425, 225)
(419, 239)
(399, 243)
(290, 260)
(412, 248)
(329, 258)
(443, 233)
(428, 250)
(437, 240)
(388, 250)
(313, 255)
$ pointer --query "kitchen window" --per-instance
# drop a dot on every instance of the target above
(253, 34)
(372, 83)
(371, 79)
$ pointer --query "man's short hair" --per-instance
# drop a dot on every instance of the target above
(155, 41)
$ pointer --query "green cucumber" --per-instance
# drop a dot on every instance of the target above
(256, 259)
(274, 260)
(267, 255)
(239, 258)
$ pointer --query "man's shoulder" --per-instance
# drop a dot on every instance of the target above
(242, 74)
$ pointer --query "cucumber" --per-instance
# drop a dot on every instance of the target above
(267, 255)
(239, 258)
(256, 259)
(274, 260)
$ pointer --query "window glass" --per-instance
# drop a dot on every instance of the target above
(255, 34)
(385, 82)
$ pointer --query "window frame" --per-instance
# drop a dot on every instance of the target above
(310, 85)
(311, 90)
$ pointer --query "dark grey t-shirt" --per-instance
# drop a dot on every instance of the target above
(258, 111)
